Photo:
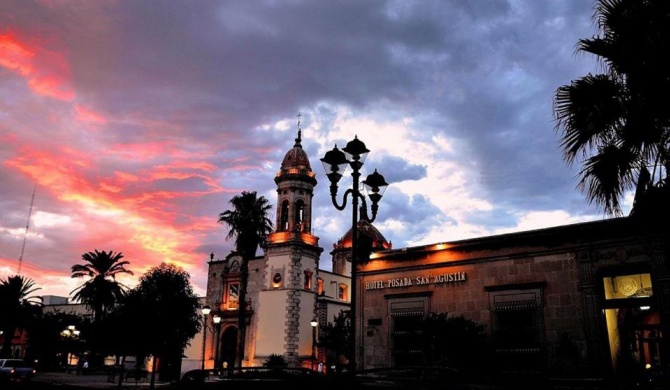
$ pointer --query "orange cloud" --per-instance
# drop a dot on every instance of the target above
(15, 56)
(110, 187)
(47, 72)
(127, 177)
(43, 167)
(139, 226)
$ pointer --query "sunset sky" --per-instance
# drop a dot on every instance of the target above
(135, 122)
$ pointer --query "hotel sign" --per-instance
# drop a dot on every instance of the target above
(416, 281)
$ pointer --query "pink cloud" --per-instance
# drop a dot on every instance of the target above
(46, 72)
(89, 116)
(16, 56)
(141, 151)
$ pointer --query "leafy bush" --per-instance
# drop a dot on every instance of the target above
(455, 342)
(275, 360)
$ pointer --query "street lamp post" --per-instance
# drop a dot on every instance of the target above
(70, 333)
(217, 322)
(314, 323)
(335, 162)
(205, 312)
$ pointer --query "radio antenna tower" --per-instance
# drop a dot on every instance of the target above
(25, 236)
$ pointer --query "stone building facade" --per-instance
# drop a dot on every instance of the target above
(601, 288)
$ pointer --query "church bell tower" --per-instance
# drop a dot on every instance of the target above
(292, 260)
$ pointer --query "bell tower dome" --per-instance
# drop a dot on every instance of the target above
(295, 188)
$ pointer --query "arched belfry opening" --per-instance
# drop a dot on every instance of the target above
(291, 216)
(282, 225)
(299, 215)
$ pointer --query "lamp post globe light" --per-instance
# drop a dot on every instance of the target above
(217, 322)
(71, 333)
(313, 323)
(205, 312)
(335, 162)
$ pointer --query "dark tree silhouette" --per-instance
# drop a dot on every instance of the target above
(618, 123)
(102, 291)
(335, 337)
(50, 346)
(249, 223)
(159, 317)
(17, 307)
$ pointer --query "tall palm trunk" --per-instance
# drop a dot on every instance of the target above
(242, 311)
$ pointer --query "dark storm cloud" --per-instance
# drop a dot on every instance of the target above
(396, 169)
(156, 113)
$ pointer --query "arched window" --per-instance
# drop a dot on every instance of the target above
(343, 293)
(299, 214)
(319, 285)
(308, 280)
(283, 222)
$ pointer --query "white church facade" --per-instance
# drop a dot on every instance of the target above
(287, 292)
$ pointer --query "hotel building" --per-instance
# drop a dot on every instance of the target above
(585, 298)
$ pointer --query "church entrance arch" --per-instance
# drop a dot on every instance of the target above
(227, 346)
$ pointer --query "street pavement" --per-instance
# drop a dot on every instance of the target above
(90, 381)
(71, 381)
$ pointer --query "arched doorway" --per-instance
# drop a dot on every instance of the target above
(228, 346)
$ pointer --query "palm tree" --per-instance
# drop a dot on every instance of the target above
(335, 339)
(102, 291)
(249, 224)
(17, 307)
(618, 122)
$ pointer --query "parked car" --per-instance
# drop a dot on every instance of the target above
(251, 378)
(16, 370)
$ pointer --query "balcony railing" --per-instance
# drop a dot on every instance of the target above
(230, 306)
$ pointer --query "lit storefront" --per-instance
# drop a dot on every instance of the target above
(601, 288)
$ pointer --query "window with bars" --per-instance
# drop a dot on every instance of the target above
(406, 340)
(518, 329)
(517, 326)
(406, 336)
